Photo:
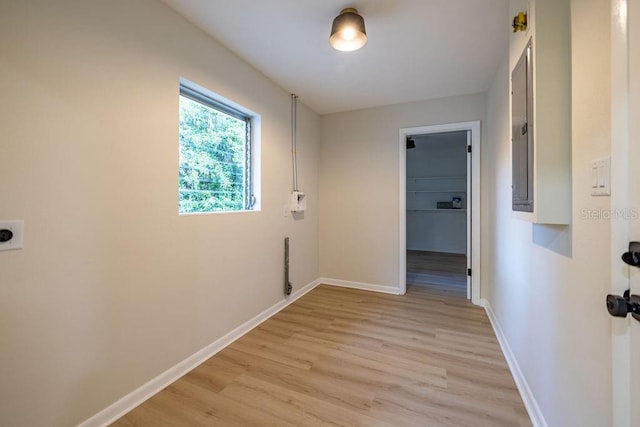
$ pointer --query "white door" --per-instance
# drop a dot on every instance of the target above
(634, 195)
(625, 151)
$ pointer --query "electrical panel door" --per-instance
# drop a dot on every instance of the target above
(522, 133)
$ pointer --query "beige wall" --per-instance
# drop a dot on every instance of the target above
(112, 286)
(359, 184)
(547, 284)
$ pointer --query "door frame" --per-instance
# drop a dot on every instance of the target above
(473, 207)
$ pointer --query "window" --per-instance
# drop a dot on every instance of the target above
(216, 159)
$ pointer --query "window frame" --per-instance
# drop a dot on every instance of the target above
(209, 99)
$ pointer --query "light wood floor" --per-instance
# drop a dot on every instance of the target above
(436, 268)
(347, 357)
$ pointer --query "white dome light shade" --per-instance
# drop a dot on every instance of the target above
(347, 31)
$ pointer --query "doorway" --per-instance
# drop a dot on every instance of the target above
(436, 214)
(452, 260)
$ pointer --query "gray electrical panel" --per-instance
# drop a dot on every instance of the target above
(522, 132)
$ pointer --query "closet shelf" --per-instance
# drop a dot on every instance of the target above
(437, 191)
(436, 210)
(427, 178)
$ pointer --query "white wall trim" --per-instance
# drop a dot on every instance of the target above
(474, 127)
(144, 392)
(402, 197)
(530, 402)
(359, 285)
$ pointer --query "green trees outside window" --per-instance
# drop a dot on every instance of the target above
(214, 159)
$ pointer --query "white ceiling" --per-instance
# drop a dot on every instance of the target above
(416, 49)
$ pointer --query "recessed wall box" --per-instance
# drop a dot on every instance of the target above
(541, 123)
(298, 202)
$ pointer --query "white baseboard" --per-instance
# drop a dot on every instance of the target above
(530, 402)
(359, 285)
(144, 392)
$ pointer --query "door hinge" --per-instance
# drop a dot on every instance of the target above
(468, 148)
(469, 272)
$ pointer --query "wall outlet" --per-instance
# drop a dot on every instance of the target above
(15, 230)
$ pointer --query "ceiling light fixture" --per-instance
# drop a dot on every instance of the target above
(347, 31)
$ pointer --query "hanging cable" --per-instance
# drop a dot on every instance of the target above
(294, 154)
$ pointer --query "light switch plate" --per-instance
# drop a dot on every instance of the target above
(17, 228)
(601, 177)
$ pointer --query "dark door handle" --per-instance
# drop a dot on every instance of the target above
(621, 306)
(633, 256)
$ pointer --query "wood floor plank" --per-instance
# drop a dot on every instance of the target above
(215, 374)
(439, 409)
(347, 357)
(203, 407)
(294, 407)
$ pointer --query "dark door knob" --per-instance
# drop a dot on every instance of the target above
(620, 306)
(632, 257)
(617, 306)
